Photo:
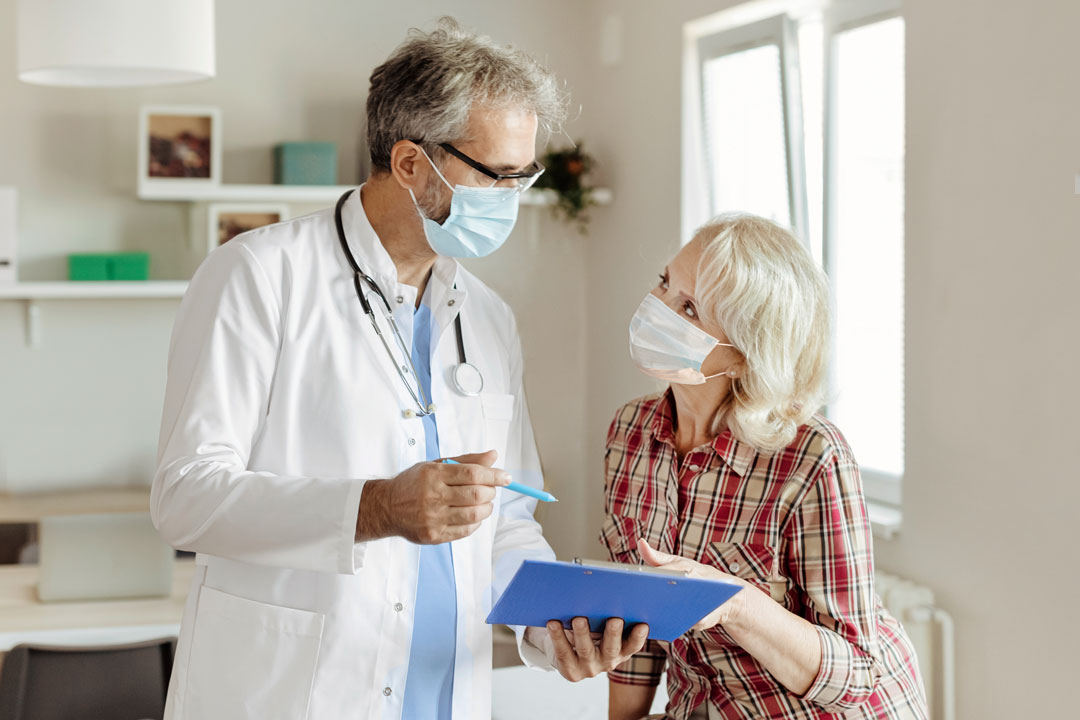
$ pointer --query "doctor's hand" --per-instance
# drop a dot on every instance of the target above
(431, 502)
(581, 654)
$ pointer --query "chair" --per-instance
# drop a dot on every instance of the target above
(115, 682)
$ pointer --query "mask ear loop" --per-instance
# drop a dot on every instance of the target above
(436, 169)
(413, 195)
(729, 373)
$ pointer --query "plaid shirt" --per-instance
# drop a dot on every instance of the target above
(792, 524)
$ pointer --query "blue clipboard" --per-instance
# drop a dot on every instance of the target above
(671, 604)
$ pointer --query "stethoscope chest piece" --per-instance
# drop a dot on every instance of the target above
(468, 380)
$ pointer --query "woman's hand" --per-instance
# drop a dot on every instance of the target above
(726, 614)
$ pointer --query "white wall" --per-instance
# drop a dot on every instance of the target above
(993, 126)
(991, 497)
(84, 407)
(992, 489)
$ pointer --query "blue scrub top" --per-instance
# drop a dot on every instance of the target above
(429, 685)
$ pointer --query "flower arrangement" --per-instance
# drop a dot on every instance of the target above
(564, 174)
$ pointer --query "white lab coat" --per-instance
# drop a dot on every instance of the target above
(280, 403)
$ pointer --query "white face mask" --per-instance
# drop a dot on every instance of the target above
(667, 346)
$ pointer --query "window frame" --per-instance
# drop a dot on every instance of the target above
(781, 31)
(880, 487)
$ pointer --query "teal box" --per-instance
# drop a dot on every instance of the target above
(109, 266)
(305, 163)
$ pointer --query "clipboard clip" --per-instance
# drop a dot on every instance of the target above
(645, 569)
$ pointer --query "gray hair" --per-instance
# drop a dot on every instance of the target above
(427, 86)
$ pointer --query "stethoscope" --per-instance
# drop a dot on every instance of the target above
(466, 377)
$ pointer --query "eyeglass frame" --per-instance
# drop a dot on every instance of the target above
(488, 172)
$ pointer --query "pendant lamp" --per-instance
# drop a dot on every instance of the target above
(114, 43)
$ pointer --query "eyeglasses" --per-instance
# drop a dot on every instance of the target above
(522, 181)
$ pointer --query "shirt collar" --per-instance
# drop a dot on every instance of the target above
(739, 456)
(375, 261)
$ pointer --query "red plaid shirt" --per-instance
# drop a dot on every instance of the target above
(794, 525)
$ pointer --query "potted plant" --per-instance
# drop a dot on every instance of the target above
(564, 174)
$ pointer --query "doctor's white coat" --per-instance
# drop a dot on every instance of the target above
(281, 402)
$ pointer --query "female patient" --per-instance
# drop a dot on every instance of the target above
(731, 474)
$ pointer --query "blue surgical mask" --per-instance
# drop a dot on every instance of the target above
(480, 219)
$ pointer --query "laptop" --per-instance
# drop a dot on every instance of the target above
(99, 557)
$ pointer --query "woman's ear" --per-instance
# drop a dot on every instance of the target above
(406, 161)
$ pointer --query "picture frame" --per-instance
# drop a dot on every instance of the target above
(227, 220)
(179, 146)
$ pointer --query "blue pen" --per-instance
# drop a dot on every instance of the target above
(519, 488)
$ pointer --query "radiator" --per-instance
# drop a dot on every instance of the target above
(931, 631)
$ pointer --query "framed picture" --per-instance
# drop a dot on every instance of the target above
(179, 146)
(226, 221)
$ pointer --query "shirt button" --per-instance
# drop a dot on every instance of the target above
(400, 299)
(398, 607)
(451, 303)
(412, 441)
(695, 468)
(387, 691)
(734, 567)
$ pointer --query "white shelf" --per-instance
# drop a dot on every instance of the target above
(245, 193)
(89, 290)
(325, 194)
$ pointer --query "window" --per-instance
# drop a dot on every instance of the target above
(864, 245)
(750, 119)
(801, 119)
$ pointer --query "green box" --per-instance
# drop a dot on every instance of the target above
(305, 163)
(109, 266)
(88, 267)
(130, 266)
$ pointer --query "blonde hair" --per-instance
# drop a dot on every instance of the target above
(760, 284)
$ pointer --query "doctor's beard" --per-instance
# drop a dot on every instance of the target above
(434, 201)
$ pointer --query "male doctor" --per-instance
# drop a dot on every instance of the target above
(317, 369)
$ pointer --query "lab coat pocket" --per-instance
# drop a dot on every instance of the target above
(498, 414)
(250, 659)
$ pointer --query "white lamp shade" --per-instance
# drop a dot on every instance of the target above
(115, 43)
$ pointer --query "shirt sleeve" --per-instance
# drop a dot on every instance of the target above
(644, 668)
(222, 362)
(831, 559)
(517, 534)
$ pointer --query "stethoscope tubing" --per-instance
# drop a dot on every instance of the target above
(418, 395)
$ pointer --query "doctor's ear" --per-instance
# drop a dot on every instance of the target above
(407, 165)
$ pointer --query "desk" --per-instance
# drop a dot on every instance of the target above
(31, 507)
(23, 619)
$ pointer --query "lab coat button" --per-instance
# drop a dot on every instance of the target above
(398, 607)
(451, 303)
(400, 299)
(412, 441)
(387, 691)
